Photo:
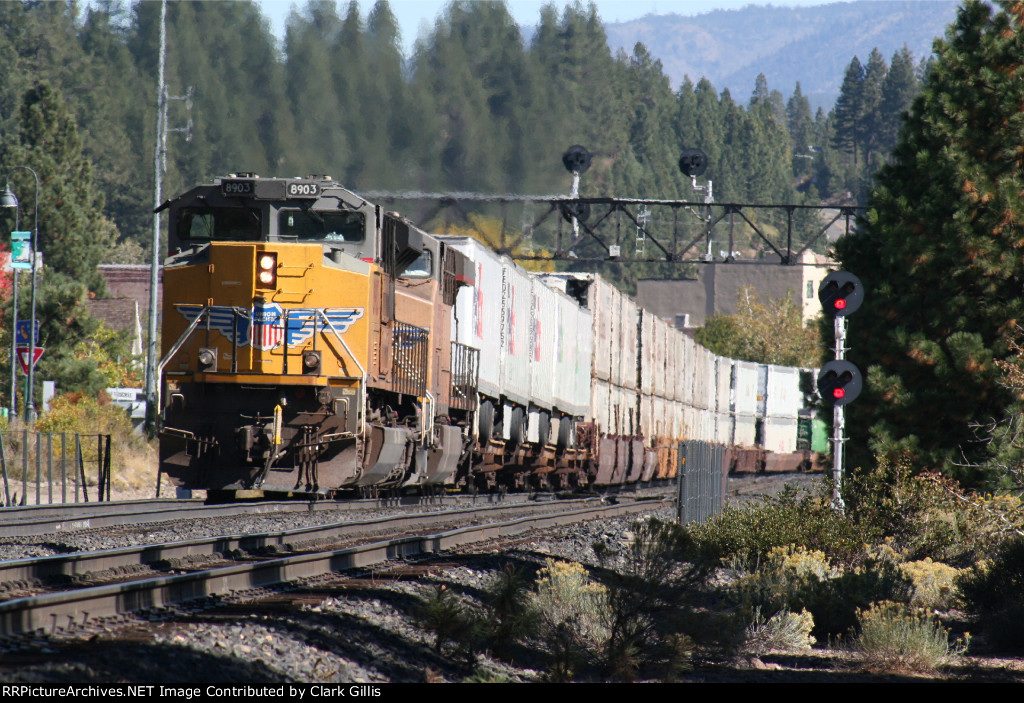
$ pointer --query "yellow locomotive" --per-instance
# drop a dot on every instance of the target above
(306, 342)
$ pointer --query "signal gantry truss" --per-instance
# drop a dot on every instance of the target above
(632, 230)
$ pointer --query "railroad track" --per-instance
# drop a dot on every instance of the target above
(58, 612)
(53, 519)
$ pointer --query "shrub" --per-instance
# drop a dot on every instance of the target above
(781, 580)
(649, 585)
(753, 529)
(794, 579)
(928, 515)
(132, 459)
(784, 631)
(933, 582)
(448, 619)
(895, 638)
(834, 602)
(513, 616)
(994, 591)
(574, 613)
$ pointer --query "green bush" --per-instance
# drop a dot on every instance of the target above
(451, 622)
(834, 602)
(650, 584)
(934, 583)
(895, 638)
(928, 515)
(993, 590)
(512, 614)
(753, 529)
(574, 615)
(794, 579)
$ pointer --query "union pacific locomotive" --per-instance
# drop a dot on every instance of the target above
(313, 343)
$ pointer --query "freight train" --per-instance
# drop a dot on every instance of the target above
(315, 344)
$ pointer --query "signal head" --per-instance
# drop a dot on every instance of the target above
(576, 159)
(839, 382)
(841, 293)
(693, 162)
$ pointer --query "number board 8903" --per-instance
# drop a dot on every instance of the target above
(238, 188)
(303, 189)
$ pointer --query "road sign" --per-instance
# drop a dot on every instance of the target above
(21, 336)
(26, 359)
(21, 250)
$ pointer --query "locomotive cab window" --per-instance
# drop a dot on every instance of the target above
(220, 224)
(319, 225)
(422, 267)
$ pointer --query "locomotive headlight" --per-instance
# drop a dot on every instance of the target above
(266, 270)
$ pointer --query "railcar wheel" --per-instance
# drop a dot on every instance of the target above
(565, 432)
(517, 431)
(544, 428)
(486, 424)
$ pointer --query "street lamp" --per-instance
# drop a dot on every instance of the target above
(4, 202)
(8, 199)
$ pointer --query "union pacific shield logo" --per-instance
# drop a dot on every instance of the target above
(268, 327)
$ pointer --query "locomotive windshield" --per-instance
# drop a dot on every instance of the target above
(219, 224)
(318, 225)
(422, 267)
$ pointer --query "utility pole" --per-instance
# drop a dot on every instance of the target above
(159, 167)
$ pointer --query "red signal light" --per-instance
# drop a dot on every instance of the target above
(840, 304)
(838, 392)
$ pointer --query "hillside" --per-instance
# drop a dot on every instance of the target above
(812, 45)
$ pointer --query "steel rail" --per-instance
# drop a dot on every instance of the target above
(57, 612)
(51, 519)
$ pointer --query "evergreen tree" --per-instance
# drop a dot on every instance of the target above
(898, 92)
(800, 124)
(317, 108)
(73, 233)
(849, 110)
(939, 254)
(871, 120)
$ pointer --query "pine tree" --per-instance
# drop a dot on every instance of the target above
(801, 130)
(898, 92)
(73, 233)
(871, 121)
(940, 254)
(849, 110)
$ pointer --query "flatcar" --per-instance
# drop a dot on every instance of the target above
(315, 344)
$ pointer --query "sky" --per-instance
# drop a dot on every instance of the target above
(416, 15)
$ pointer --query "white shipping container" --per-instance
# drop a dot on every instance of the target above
(572, 334)
(543, 350)
(602, 297)
(627, 350)
(784, 396)
(660, 358)
(745, 388)
(745, 430)
(601, 405)
(477, 314)
(724, 383)
(647, 357)
(780, 434)
(515, 340)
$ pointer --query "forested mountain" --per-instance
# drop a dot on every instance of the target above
(476, 107)
(812, 45)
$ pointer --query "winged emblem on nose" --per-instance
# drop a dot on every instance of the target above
(267, 326)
